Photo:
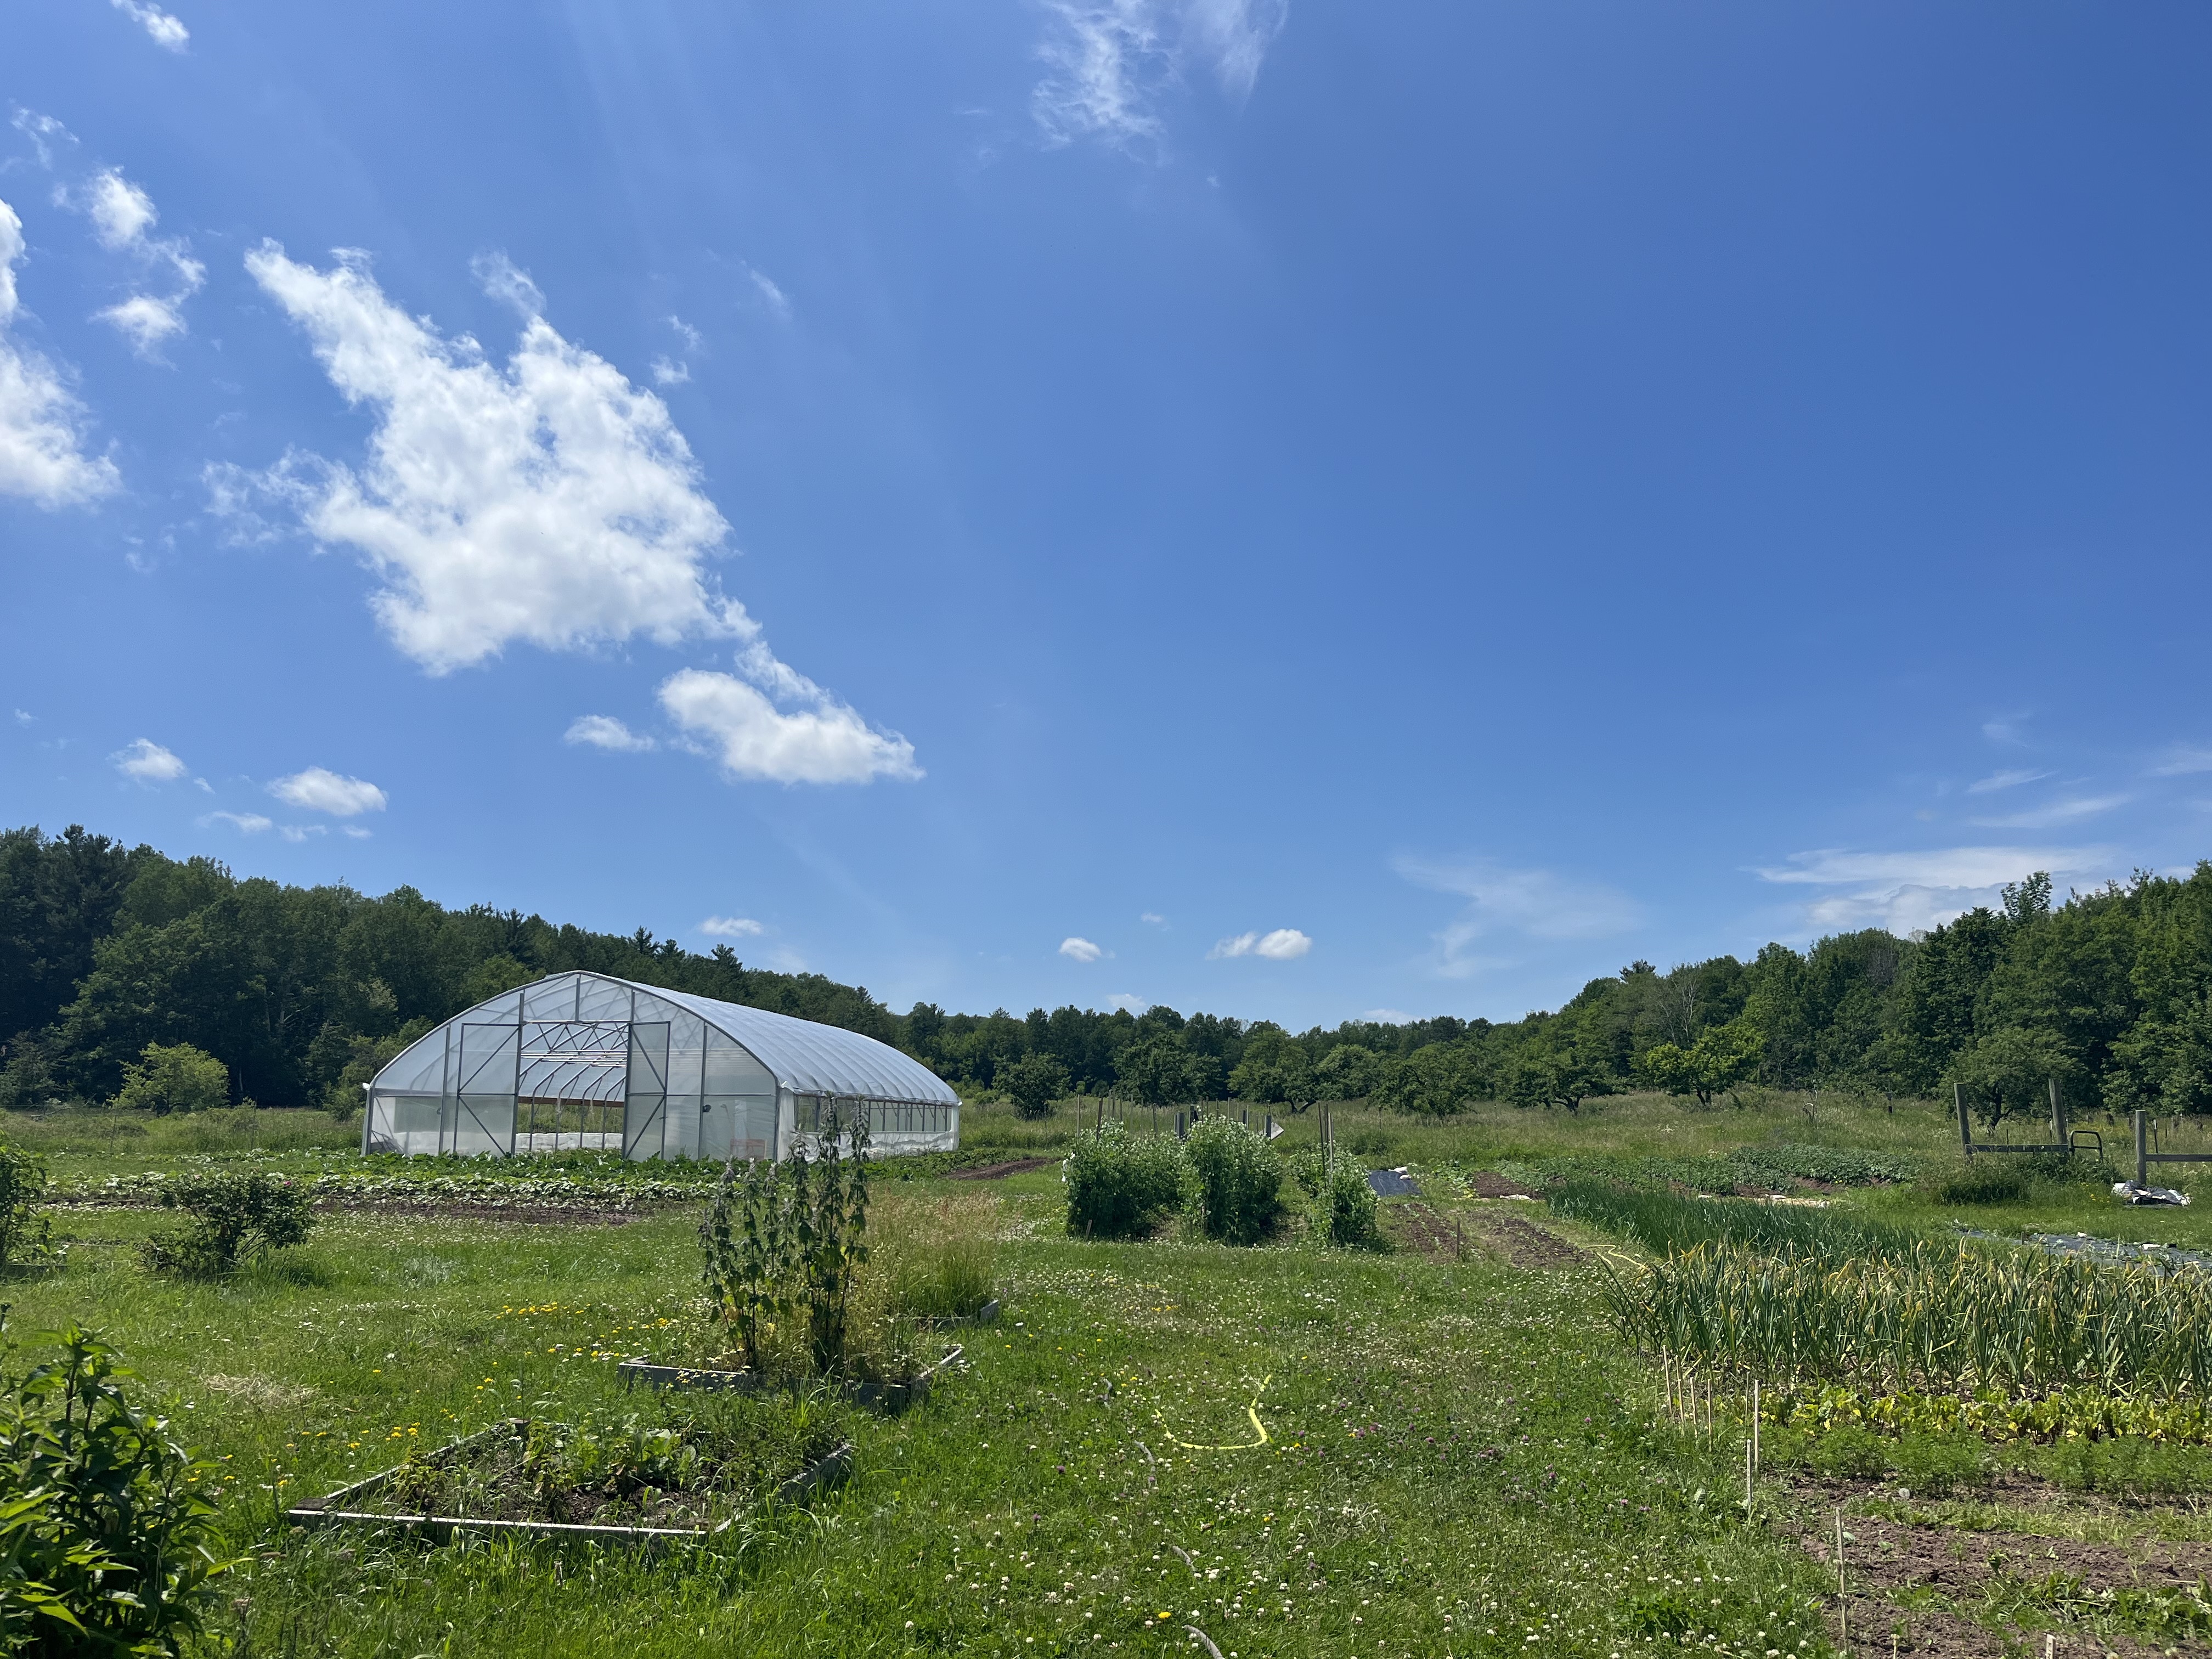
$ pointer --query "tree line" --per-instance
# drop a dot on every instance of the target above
(302, 993)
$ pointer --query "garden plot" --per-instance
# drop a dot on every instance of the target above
(670, 1473)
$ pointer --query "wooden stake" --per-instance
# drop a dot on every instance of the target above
(1843, 1611)
(1747, 1477)
(1754, 1423)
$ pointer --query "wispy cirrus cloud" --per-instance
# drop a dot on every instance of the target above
(2070, 810)
(2183, 761)
(731, 927)
(246, 824)
(1534, 903)
(2011, 779)
(1911, 892)
(1108, 60)
(162, 27)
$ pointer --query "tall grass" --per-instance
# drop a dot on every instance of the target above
(1666, 1222)
(1925, 1315)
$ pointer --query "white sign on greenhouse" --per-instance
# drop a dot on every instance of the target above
(581, 1061)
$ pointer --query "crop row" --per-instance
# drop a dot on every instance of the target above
(475, 1191)
(1944, 1317)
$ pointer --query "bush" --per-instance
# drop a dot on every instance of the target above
(1240, 1181)
(1033, 1083)
(1123, 1186)
(103, 1534)
(1347, 1209)
(181, 1078)
(236, 1219)
(1308, 1172)
(23, 1230)
(1983, 1182)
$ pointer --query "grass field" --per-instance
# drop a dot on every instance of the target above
(1453, 1454)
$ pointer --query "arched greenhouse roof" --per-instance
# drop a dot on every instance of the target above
(805, 1057)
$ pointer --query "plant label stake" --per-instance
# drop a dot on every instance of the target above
(1843, 1609)
(1747, 1477)
(1754, 1423)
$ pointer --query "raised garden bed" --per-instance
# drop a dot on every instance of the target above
(612, 1483)
(888, 1396)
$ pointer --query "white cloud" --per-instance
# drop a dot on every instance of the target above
(319, 790)
(41, 426)
(24, 717)
(1080, 949)
(357, 832)
(144, 320)
(162, 28)
(45, 132)
(1106, 60)
(551, 501)
(301, 831)
(121, 214)
(1127, 1003)
(1153, 918)
(1536, 903)
(605, 732)
(1905, 892)
(2063, 811)
(147, 761)
(2012, 780)
(778, 301)
(1283, 945)
(508, 282)
(667, 373)
(1388, 1016)
(691, 338)
(731, 927)
(248, 824)
(2184, 762)
(2006, 730)
(820, 740)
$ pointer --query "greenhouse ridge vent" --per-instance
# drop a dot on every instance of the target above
(584, 1062)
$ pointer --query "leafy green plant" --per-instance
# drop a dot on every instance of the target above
(104, 1532)
(1347, 1208)
(1240, 1181)
(1033, 1083)
(1123, 1186)
(829, 1217)
(236, 1219)
(23, 1229)
(1849, 1453)
(1984, 1181)
(176, 1077)
(2128, 1467)
(1933, 1464)
(747, 1255)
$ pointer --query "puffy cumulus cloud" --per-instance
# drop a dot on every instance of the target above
(1107, 60)
(731, 927)
(162, 28)
(147, 761)
(121, 212)
(42, 454)
(320, 790)
(550, 501)
(605, 732)
(814, 737)
(1910, 892)
(1533, 902)
(1283, 945)
(1080, 949)
(1129, 1002)
(145, 321)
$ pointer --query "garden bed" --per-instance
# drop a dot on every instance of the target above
(622, 1481)
(887, 1396)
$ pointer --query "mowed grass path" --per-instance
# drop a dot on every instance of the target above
(1459, 1459)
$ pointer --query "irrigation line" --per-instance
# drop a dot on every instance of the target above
(1251, 1411)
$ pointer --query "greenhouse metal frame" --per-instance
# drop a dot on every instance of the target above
(583, 1061)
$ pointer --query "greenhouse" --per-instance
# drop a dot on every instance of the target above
(581, 1061)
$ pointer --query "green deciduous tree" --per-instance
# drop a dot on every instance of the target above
(175, 1078)
(1723, 1058)
(1033, 1083)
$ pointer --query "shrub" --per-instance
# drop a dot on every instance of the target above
(181, 1078)
(1309, 1173)
(1033, 1083)
(1123, 1186)
(1347, 1208)
(1239, 1181)
(23, 1230)
(1983, 1182)
(103, 1534)
(236, 1219)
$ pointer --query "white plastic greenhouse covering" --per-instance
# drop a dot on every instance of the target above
(583, 1061)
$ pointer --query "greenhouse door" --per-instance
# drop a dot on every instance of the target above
(645, 1110)
(483, 1104)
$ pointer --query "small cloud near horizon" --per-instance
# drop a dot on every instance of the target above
(1081, 950)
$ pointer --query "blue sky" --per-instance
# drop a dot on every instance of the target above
(1282, 510)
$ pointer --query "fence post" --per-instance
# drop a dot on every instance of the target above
(2143, 1148)
(1966, 1129)
(2057, 1116)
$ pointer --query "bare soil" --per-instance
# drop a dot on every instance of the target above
(1488, 1183)
(999, 1172)
(1522, 1243)
(1418, 1228)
